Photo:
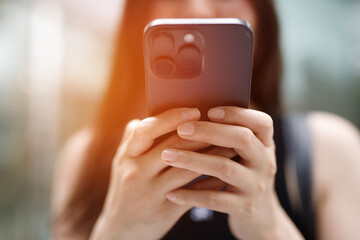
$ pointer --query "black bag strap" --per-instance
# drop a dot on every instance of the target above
(298, 157)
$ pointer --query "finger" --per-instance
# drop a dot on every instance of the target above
(209, 183)
(221, 151)
(220, 201)
(146, 131)
(173, 208)
(241, 139)
(175, 141)
(152, 161)
(180, 143)
(129, 128)
(259, 122)
(223, 168)
(174, 178)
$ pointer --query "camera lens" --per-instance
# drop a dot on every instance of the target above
(190, 55)
(163, 67)
(163, 42)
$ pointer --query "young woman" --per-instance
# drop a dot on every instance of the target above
(113, 182)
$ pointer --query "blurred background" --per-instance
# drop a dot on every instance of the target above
(55, 57)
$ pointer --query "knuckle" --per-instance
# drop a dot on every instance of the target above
(249, 208)
(129, 179)
(177, 115)
(187, 174)
(260, 187)
(227, 169)
(181, 114)
(141, 130)
(130, 127)
(237, 112)
(266, 122)
(246, 137)
(272, 169)
(212, 201)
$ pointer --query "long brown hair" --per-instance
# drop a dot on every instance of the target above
(124, 94)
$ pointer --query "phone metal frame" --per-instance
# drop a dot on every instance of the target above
(200, 21)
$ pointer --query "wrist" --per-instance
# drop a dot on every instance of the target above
(101, 230)
(106, 229)
(284, 228)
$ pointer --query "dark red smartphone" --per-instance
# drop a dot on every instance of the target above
(200, 63)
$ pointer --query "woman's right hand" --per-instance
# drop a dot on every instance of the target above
(136, 206)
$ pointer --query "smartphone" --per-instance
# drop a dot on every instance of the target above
(200, 63)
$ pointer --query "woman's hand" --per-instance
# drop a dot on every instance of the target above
(136, 206)
(249, 198)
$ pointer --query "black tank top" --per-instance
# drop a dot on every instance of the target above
(289, 134)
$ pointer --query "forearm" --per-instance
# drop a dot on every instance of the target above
(103, 229)
(285, 228)
(274, 225)
(99, 231)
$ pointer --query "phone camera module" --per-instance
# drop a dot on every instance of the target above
(176, 54)
(163, 42)
(163, 67)
(190, 55)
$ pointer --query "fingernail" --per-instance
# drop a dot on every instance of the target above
(186, 129)
(171, 196)
(169, 155)
(191, 114)
(217, 113)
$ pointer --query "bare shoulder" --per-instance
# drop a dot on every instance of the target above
(335, 146)
(331, 125)
(336, 171)
(68, 166)
(336, 141)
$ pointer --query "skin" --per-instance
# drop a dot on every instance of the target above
(158, 172)
(249, 198)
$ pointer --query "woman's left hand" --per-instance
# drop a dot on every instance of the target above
(249, 198)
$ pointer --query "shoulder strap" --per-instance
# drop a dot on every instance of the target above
(298, 158)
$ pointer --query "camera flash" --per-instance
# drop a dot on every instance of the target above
(189, 38)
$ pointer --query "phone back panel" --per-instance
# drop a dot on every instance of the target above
(225, 76)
